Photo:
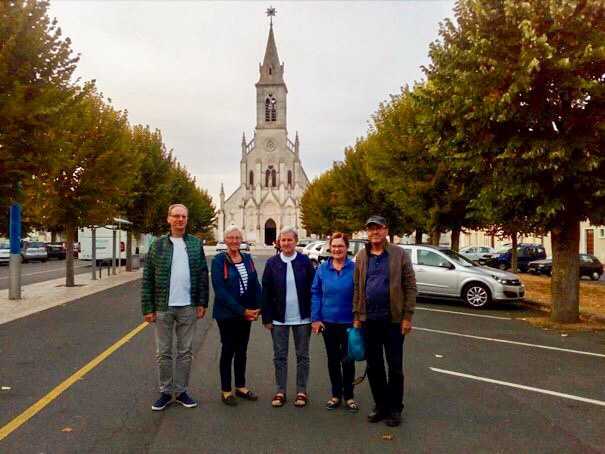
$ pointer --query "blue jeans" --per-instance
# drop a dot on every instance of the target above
(387, 337)
(281, 340)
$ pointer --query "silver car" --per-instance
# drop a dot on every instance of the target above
(34, 250)
(443, 273)
(4, 252)
(476, 252)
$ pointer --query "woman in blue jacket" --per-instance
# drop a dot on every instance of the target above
(332, 315)
(237, 296)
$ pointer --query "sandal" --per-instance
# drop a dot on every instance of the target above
(278, 400)
(301, 400)
(333, 404)
(352, 406)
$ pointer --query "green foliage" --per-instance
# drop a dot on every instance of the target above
(36, 65)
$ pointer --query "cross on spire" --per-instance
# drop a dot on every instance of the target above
(270, 13)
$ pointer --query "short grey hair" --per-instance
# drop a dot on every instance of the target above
(233, 228)
(174, 205)
(289, 229)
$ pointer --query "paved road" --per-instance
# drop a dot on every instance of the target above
(109, 410)
(39, 272)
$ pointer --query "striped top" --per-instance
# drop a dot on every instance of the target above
(243, 282)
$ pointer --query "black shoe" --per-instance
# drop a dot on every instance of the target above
(185, 400)
(394, 419)
(162, 402)
(229, 400)
(376, 416)
(248, 396)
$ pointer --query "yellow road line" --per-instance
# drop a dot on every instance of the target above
(31, 411)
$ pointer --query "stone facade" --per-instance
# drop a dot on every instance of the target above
(272, 180)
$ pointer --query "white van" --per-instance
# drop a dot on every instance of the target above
(104, 240)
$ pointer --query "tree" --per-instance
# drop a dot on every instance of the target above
(522, 86)
(94, 173)
(36, 66)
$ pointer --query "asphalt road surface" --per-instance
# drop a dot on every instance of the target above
(33, 272)
(476, 381)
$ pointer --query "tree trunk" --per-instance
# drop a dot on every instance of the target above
(565, 282)
(418, 237)
(492, 241)
(128, 250)
(69, 257)
(434, 237)
(456, 239)
(53, 237)
(513, 259)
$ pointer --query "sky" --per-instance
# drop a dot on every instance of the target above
(188, 68)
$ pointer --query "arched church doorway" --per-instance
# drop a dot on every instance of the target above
(270, 232)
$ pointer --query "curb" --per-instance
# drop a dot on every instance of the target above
(596, 316)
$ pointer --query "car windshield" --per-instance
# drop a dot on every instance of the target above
(503, 249)
(457, 258)
(35, 244)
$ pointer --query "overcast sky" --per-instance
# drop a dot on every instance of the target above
(189, 68)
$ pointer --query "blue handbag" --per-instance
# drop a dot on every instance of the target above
(356, 346)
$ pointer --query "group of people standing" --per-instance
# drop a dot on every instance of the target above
(376, 293)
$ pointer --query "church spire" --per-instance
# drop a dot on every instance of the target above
(271, 71)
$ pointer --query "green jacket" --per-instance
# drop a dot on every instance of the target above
(156, 275)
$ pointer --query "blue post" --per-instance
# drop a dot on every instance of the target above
(14, 279)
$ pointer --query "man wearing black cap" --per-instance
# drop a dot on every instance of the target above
(383, 305)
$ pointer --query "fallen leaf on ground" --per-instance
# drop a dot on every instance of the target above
(6, 388)
(387, 437)
(438, 356)
(67, 429)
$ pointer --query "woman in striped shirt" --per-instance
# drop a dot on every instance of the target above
(237, 296)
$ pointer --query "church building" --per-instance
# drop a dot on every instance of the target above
(272, 180)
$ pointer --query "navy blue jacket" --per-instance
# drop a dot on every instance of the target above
(274, 287)
(228, 303)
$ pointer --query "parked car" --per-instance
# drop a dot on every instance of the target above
(5, 252)
(590, 266)
(34, 250)
(55, 250)
(316, 250)
(244, 246)
(303, 243)
(502, 257)
(221, 246)
(310, 246)
(354, 247)
(443, 273)
(476, 252)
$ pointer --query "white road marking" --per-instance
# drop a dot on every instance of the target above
(47, 271)
(515, 385)
(462, 313)
(504, 341)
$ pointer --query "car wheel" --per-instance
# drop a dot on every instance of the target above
(43, 261)
(595, 276)
(477, 295)
(502, 266)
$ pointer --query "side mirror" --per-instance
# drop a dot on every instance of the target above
(447, 265)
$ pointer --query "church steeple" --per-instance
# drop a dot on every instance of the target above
(271, 71)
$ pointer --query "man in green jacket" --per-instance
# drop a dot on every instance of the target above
(174, 296)
(384, 298)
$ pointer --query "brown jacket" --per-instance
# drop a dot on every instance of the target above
(402, 284)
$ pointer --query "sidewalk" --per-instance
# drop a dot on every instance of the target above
(44, 295)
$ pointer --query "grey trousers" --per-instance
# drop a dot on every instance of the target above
(179, 320)
(281, 341)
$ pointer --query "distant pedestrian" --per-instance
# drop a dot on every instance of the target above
(332, 315)
(383, 305)
(174, 296)
(276, 246)
(286, 305)
(237, 296)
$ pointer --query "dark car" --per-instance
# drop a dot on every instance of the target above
(55, 250)
(354, 247)
(502, 257)
(590, 266)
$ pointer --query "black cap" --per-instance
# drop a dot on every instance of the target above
(378, 220)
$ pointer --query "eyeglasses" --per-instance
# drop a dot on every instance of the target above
(338, 246)
(234, 238)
